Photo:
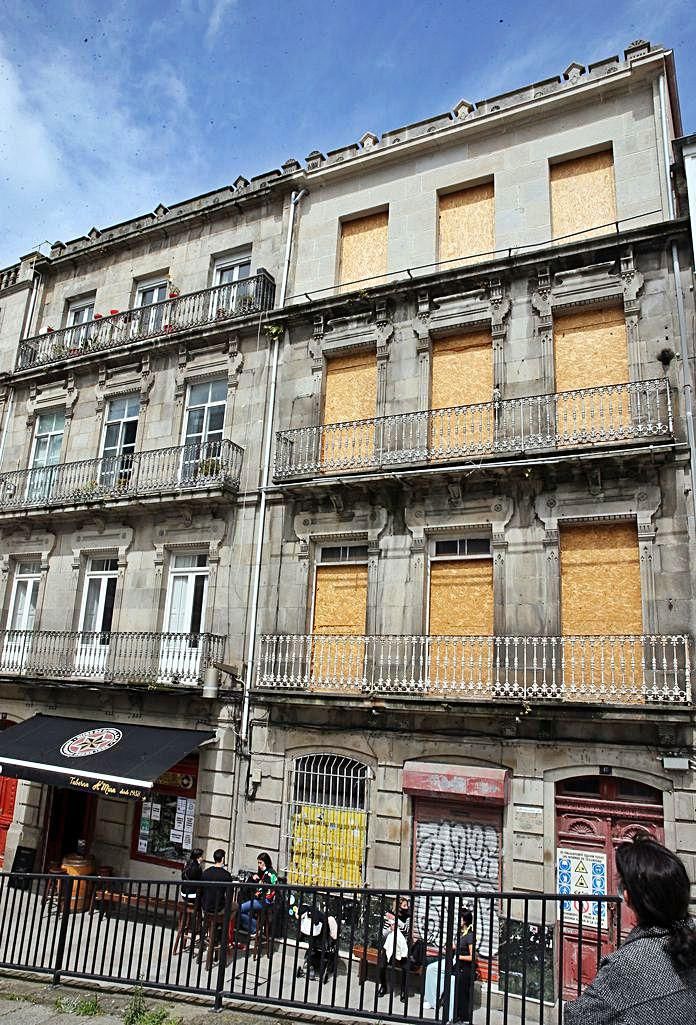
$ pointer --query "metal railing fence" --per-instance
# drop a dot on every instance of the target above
(179, 313)
(338, 951)
(207, 464)
(639, 410)
(142, 658)
(632, 669)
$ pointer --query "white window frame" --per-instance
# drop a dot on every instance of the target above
(191, 572)
(79, 331)
(218, 298)
(97, 574)
(121, 464)
(33, 576)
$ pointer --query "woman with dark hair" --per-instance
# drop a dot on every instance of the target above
(652, 977)
(264, 895)
(190, 874)
(464, 968)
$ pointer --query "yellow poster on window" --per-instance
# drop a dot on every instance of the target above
(327, 846)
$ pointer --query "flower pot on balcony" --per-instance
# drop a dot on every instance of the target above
(73, 352)
(209, 468)
(49, 330)
(221, 312)
(112, 313)
(98, 316)
(174, 293)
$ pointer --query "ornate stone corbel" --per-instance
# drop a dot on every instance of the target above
(500, 311)
(235, 362)
(72, 393)
(147, 380)
(180, 373)
(318, 326)
(541, 304)
(632, 285)
(30, 405)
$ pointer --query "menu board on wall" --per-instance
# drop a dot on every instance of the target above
(582, 872)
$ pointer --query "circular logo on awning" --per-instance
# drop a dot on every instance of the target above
(91, 742)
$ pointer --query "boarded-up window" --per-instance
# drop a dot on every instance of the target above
(466, 223)
(462, 387)
(364, 247)
(600, 601)
(583, 195)
(461, 605)
(340, 610)
(350, 399)
(591, 351)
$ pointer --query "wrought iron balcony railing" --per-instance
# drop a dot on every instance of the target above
(213, 464)
(147, 659)
(631, 670)
(640, 410)
(195, 309)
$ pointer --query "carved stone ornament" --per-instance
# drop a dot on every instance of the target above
(367, 524)
(95, 538)
(476, 513)
(617, 503)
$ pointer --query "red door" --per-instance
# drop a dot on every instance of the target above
(8, 793)
(594, 814)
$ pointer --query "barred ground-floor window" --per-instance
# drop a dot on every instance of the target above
(328, 821)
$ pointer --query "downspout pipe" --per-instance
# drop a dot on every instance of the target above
(684, 360)
(265, 477)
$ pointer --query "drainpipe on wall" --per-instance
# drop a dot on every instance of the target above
(684, 360)
(265, 477)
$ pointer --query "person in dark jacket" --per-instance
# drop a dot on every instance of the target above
(652, 977)
(212, 898)
(190, 874)
(465, 969)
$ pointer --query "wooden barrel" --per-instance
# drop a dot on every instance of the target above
(78, 865)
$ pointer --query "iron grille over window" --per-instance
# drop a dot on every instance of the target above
(327, 826)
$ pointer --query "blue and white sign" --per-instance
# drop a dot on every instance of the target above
(582, 872)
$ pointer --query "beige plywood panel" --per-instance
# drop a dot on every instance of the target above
(340, 610)
(583, 195)
(462, 376)
(350, 395)
(590, 351)
(466, 222)
(601, 596)
(364, 247)
(461, 605)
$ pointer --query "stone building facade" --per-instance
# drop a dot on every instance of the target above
(452, 610)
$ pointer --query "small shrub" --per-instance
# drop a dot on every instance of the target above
(84, 1007)
(138, 1013)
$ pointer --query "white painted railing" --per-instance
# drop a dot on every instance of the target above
(615, 669)
(640, 410)
(145, 658)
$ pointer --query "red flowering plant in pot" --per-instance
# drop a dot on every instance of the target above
(98, 316)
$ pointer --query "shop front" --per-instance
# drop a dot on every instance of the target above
(104, 779)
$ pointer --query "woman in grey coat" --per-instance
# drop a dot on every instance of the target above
(652, 977)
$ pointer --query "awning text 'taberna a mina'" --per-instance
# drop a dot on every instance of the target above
(111, 759)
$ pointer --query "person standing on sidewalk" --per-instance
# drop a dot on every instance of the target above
(652, 977)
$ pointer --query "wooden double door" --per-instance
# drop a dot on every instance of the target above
(594, 815)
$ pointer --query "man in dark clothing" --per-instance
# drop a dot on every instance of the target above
(213, 897)
(212, 904)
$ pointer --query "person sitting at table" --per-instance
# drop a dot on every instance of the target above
(212, 901)
(264, 895)
(191, 873)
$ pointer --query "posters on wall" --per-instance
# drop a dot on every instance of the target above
(582, 872)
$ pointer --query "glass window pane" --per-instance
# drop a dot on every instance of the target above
(194, 423)
(218, 391)
(89, 621)
(243, 271)
(19, 604)
(478, 546)
(216, 419)
(198, 394)
(111, 438)
(132, 406)
(130, 430)
(28, 569)
(117, 409)
(31, 610)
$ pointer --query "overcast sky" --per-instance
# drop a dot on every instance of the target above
(108, 108)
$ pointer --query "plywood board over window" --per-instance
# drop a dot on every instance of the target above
(601, 601)
(461, 386)
(591, 351)
(461, 605)
(583, 196)
(466, 222)
(350, 399)
(340, 611)
(364, 247)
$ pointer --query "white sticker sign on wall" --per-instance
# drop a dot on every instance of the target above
(581, 872)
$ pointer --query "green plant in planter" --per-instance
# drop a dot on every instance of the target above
(245, 305)
(209, 467)
(58, 351)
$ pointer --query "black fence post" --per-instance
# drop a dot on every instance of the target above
(450, 959)
(65, 887)
(222, 963)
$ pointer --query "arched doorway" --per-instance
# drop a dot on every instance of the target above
(8, 794)
(594, 814)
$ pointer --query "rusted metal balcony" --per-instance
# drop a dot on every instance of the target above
(169, 317)
(140, 659)
(139, 475)
(621, 670)
(586, 418)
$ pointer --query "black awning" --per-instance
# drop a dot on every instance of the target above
(112, 759)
